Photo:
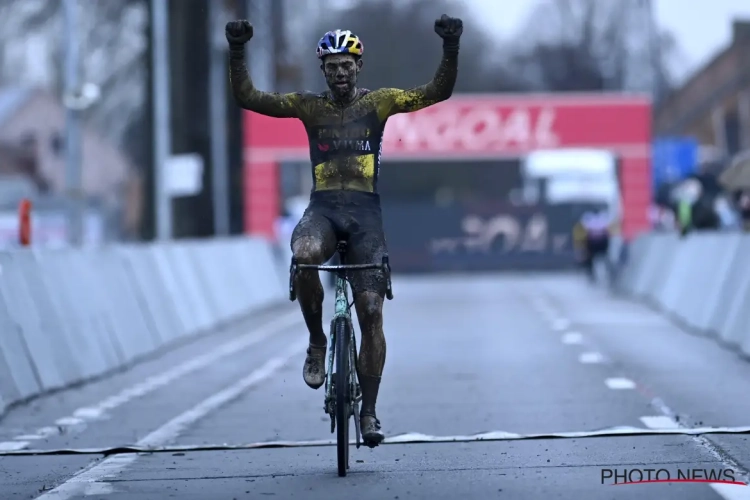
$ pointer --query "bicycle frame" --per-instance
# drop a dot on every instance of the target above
(342, 310)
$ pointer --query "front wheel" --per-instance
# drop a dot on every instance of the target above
(343, 392)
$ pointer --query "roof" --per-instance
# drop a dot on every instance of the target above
(11, 100)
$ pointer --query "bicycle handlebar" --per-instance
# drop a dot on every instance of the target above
(384, 266)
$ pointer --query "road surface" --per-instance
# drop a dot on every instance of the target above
(509, 357)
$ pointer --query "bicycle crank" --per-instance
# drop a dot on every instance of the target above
(357, 431)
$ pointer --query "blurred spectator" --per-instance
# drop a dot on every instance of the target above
(703, 213)
(727, 215)
(591, 239)
(685, 195)
(735, 180)
(684, 216)
(662, 217)
(743, 204)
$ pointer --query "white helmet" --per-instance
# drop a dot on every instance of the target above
(339, 42)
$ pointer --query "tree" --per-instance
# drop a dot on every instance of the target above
(402, 50)
(589, 45)
(112, 38)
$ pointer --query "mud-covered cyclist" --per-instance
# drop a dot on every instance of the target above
(345, 129)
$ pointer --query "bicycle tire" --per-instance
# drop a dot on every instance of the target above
(343, 391)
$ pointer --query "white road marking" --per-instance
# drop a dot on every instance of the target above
(28, 437)
(572, 338)
(88, 413)
(560, 324)
(68, 421)
(620, 383)
(659, 422)
(13, 445)
(731, 491)
(591, 358)
(160, 380)
(109, 467)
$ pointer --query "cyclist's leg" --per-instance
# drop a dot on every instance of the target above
(313, 242)
(588, 262)
(608, 261)
(366, 246)
(598, 252)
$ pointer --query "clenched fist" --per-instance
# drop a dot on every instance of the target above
(238, 32)
(449, 28)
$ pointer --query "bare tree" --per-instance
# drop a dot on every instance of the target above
(589, 45)
(112, 38)
(402, 49)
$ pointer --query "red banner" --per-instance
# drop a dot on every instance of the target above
(485, 126)
(476, 126)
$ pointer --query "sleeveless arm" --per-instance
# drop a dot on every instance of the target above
(440, 88)
(248, 97)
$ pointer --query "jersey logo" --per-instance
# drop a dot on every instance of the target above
(345, 145)
(352, 145)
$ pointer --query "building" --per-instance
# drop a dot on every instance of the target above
(714, 104)
(32, 145)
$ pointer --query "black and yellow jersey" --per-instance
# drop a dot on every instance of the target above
(345, 141)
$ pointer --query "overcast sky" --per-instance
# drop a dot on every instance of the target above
(702, 27)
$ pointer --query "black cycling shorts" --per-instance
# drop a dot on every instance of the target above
(354, 217)
(597, 246)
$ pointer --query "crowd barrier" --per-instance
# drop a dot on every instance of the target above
(71, 315)
(701, 280)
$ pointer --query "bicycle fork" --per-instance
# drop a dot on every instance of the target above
(330, 400)
(355, 392)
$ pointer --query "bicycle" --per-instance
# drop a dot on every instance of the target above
(342, 390)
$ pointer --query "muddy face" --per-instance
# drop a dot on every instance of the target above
(341, 71)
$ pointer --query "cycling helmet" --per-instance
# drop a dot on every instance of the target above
(339, 42)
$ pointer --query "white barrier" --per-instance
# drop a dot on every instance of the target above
(69, 315)
(702, 280)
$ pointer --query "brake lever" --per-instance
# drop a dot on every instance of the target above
(387, 272)
(292, 274)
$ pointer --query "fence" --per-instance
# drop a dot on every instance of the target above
(69, 315)
(702, 281)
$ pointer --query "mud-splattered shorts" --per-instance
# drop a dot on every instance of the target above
(354, 217)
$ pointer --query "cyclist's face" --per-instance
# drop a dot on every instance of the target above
(341, 72)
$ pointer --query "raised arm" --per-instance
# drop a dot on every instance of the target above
(247, 96)
(440, 88)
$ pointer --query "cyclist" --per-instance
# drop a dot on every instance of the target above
(591, 237)
(345, 129)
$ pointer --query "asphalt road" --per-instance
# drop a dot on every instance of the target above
(512, 356)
